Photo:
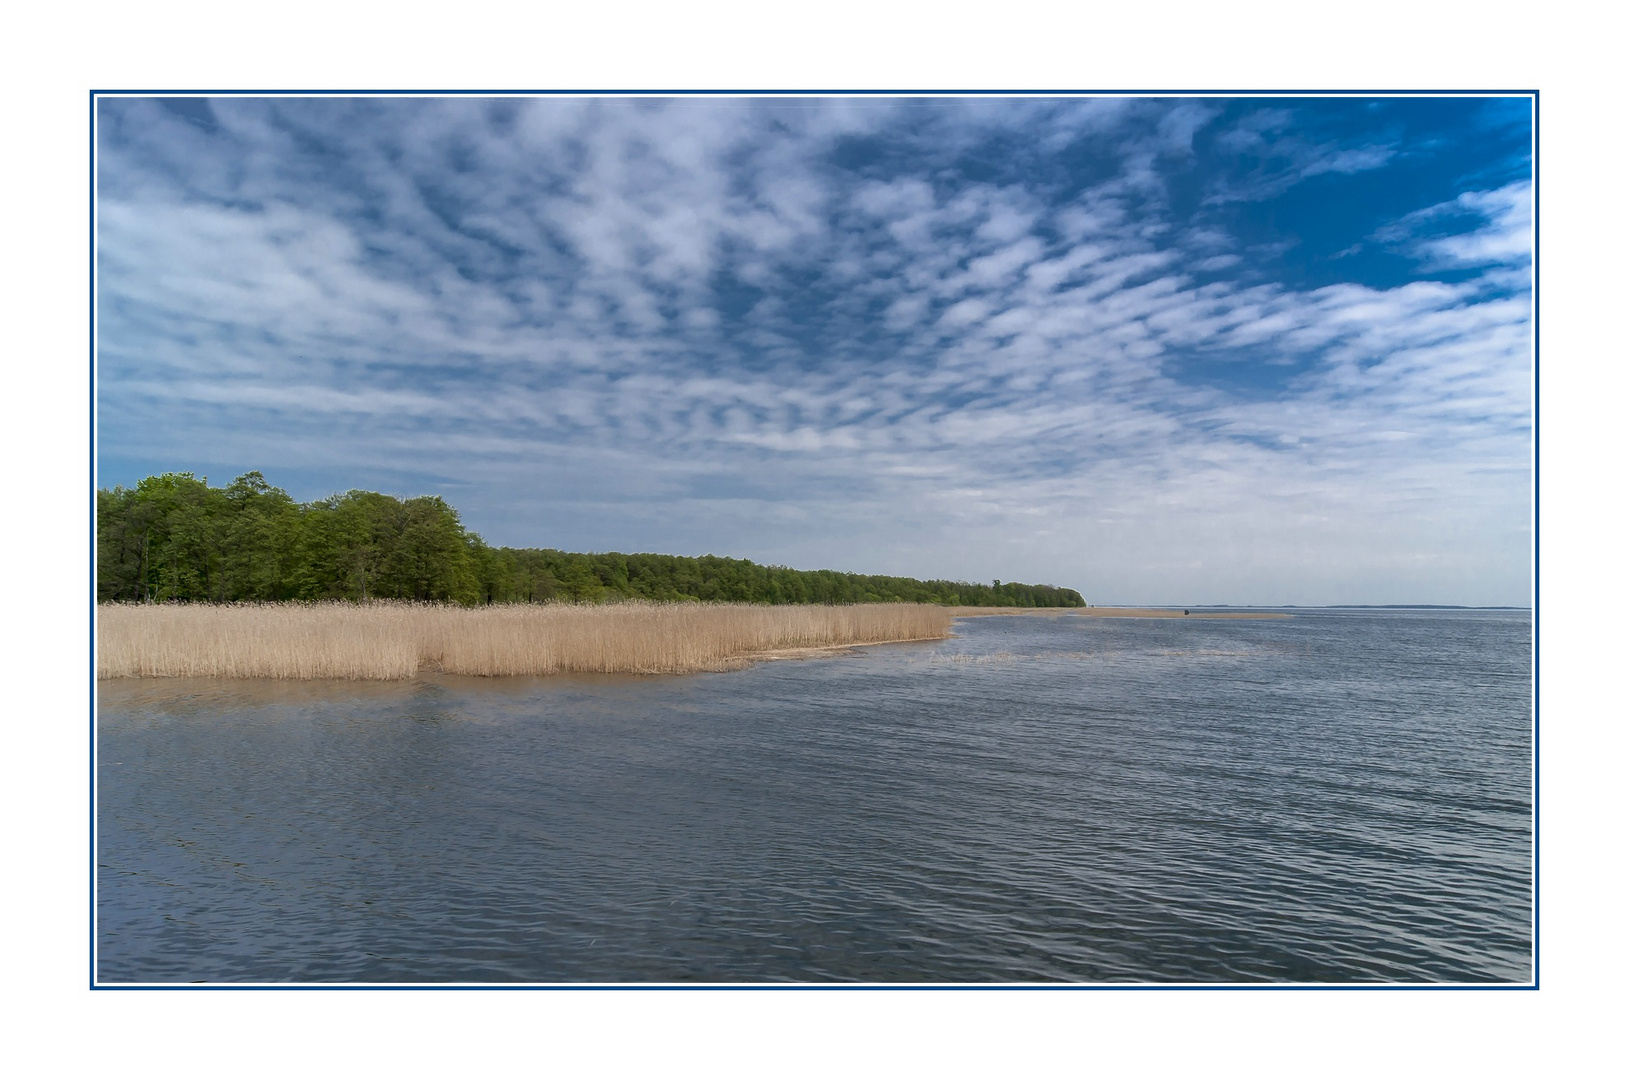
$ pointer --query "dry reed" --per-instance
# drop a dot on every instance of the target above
(390, 640)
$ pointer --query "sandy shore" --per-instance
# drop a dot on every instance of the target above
(1118, 613)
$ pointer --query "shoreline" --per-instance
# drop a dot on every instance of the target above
(1119, 613)
(389, 640)
(814, 652)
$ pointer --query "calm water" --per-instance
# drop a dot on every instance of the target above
(1337, 797)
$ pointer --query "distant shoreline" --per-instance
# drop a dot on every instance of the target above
(1118, 613)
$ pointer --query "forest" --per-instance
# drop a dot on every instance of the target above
(174, 538)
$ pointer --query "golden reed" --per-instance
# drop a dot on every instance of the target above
(394, 640)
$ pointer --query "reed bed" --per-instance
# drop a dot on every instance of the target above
(393, 640)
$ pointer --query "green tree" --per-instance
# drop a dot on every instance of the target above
(261, 538)
(173, 537)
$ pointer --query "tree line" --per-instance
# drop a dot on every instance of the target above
(174, 538)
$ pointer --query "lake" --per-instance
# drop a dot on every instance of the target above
(1340, 797)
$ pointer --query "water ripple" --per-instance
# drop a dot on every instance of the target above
(1333, 798)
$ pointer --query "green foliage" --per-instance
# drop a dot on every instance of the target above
(173, 537)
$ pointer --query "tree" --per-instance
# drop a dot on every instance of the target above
(173, 537)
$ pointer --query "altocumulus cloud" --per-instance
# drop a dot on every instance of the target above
(1185, 351)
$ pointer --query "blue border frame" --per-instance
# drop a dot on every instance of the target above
(95, 95)
(90, 344)
(1535, 527)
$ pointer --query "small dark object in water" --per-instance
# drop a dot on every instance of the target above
(1184, 611)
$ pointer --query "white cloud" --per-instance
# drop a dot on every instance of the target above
(1504, 233)
(543, 319)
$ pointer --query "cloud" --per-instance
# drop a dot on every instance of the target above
(1475, 229)
(1279, 153)
(869, 334)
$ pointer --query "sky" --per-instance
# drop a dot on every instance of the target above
(1161, 350)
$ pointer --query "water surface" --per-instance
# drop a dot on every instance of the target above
(1338, 797)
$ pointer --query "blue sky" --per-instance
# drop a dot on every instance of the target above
(1160, 350)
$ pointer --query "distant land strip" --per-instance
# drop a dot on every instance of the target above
(173, 538)
(1118, 613)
